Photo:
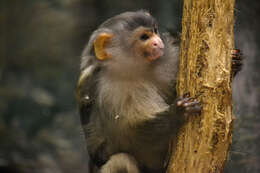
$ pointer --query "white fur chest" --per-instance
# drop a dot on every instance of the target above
(137, 100)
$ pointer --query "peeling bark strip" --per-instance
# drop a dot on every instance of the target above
(205, 69)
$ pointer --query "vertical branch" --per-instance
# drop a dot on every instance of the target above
(204, 71)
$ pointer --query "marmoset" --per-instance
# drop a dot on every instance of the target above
(127, 97)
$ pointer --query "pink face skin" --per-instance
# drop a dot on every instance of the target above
(155, 47)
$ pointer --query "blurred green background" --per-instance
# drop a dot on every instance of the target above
(40, 46)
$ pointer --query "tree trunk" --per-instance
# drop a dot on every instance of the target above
(204, 71)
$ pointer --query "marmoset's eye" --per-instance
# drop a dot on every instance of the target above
(144, 37)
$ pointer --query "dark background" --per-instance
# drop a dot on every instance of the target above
(40, 46)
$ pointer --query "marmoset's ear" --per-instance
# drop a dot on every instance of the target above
(100, 44)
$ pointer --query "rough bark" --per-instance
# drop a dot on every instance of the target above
(204, 71)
